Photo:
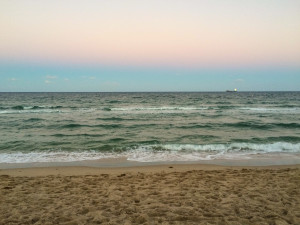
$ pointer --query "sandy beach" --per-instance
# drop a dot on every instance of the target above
(165, 194)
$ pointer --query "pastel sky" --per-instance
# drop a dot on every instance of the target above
(149, 45)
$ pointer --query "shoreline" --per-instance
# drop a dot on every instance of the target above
(166, 168)
(122, 162)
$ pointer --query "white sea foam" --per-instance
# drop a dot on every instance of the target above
(189, 152)
(158, 109)
(157, 153)
(52, 156)
(272, 110)
(30, 111)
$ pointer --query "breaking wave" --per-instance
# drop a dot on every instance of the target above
(155, 153)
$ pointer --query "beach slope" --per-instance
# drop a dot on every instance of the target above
(169, 194)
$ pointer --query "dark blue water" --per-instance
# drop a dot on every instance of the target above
(148, 127)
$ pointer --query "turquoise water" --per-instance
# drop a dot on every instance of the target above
(147, 127)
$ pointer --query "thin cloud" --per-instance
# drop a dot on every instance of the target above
(88, 77)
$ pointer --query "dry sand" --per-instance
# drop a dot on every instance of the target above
(169, 194)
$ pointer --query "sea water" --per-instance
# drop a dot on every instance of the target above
(148, 127)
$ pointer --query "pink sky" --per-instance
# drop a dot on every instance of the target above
(165, 32)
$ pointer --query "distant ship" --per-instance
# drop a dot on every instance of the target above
(235, 90)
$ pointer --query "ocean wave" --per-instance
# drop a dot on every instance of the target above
(59, 135)
(21, 107)
(30, 109)
(195, 126)
(18, 107)
(115, 119)
(163, 108)
(52, 156)
(169, 153)
(284, 110)
(33, 119)
(75, 125)
(34, 111)
(261, 126)
(138, 109)
(156, 153)
(241, 125)
(104, 126)
(288, 139)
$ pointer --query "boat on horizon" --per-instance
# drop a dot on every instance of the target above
(235, 90)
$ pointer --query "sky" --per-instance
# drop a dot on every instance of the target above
(150, 45)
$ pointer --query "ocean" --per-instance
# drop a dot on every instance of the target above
(148, 127)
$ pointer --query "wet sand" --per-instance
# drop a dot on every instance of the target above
(165, 194)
